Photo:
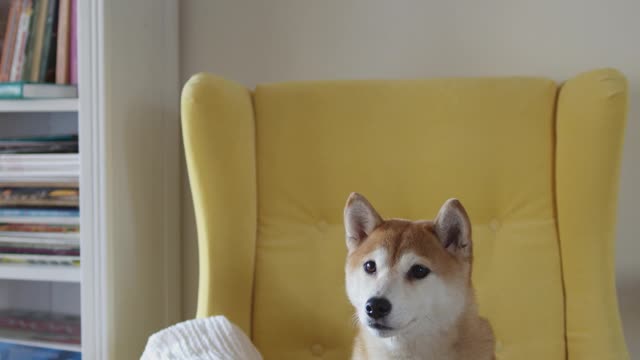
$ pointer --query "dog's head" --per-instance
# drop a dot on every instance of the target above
(404, 274)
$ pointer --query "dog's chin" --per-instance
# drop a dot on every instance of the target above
(383, 333)
(383, 330)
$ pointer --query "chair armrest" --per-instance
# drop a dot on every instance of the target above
(219, 138)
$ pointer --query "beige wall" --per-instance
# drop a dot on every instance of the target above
(261, 41)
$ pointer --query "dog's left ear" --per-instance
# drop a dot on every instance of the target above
(453, 228)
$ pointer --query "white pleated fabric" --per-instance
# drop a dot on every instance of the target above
(213, 338)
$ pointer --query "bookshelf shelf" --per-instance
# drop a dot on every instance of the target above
(40, 273)
(41, 105)
(42, 344)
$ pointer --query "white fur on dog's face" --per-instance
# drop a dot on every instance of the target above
(443, 246)
(428, 302)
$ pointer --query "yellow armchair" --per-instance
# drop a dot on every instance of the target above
(535, 163)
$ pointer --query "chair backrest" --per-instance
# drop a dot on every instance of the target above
(271, 170)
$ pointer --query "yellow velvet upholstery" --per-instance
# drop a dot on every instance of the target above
(535, 164)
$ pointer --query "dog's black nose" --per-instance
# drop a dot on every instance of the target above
(377, 308)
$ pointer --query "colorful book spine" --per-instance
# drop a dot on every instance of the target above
(39, 243)
(14, 351)
(9, 40)
(41, 197)
(62, 50)
(41, 21)
(19, 212)
(43, 138)
(40, 321)
(21, 41)
(34, 229)
(31, 38)
(68, 240)
(73, 46)
(7, 249)
(40, 259)
(43, 89)
(48, 56)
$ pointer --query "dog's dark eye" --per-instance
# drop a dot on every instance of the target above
(370, 267)
(418, 272)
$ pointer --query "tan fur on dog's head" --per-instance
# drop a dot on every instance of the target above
(387, 262)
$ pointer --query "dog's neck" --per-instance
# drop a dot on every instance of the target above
(467, 335)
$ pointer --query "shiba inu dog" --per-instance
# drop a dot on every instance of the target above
(410, 284)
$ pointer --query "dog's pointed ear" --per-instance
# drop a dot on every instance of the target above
(360, 219)
(453, 228)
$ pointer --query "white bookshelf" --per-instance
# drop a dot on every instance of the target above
(127, 119)
(40, 273)
(44, 105)
(53, 288)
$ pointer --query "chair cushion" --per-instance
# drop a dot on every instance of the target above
(407, 146)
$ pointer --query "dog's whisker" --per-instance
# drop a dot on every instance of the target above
(355, 319)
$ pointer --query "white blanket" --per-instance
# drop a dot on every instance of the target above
(213, 338)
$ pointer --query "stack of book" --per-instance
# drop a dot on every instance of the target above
(39, 201)
(39, 49)
(40, 326)
(36, 331)
(11, 351)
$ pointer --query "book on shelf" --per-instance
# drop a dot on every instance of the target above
(39, 49)
(35, 148)
(13, 351)
(43, 138)
(8, 248)
(21, 40)
(34, 239)
(28, 215)
(39, 196)
(27, 90)
(35, 259)
(31, 334)
(42, 322)
(34, 43)
(66, 220)
(39, 230)
(62, 49)
(5, 7)
(45, 240)
(10, 157)
(59, 175)
(73, 44)
(38, 212)
(39, 239)
(47, 63)
(26, 166)
(43, 147)
(13, 17)
(39, 158)
(29, 239)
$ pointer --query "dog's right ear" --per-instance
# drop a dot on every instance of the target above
(360, 219)
(453, 227)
